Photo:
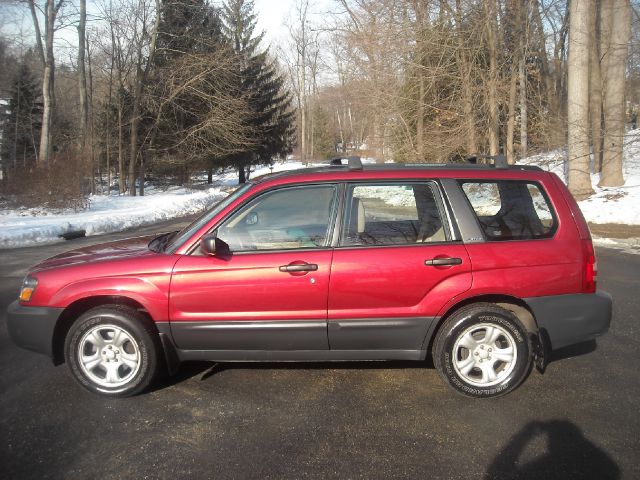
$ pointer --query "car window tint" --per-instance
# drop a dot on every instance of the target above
(397, 214)
(511, 209)
(287, 218)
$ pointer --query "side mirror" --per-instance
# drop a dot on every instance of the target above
(212, 245)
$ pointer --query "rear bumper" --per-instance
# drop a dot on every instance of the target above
(569, 319)
(32, 327)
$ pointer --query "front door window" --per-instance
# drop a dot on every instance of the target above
(284, 219)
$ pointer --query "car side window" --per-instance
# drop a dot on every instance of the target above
(511, 209)
(394, 214)
(287, 218)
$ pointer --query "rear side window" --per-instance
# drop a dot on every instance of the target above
(511, 209)
(394, 214)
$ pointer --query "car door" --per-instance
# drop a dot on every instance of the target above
(269, 291)
(397, 264)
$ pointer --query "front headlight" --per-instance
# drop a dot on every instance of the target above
(29, 285)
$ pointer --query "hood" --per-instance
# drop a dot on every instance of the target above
(118, 250)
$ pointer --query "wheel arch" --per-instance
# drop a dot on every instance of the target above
(515, 305)
(77, 308)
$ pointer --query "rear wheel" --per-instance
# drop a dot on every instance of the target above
(483, 351)
(111, 350)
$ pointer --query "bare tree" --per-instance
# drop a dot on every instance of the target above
(50, 11)
(579, 178)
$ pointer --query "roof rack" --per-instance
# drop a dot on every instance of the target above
(499, 161)
(353, 162)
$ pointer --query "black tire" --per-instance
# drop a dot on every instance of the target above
(120, 351)
(475, 365)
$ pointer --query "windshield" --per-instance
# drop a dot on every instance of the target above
(203, 219)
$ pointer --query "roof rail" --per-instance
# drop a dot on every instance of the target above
(354, 162)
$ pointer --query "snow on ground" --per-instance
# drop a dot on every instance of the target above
(609, 204)
(105, 214)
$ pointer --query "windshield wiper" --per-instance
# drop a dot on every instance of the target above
(159, 243)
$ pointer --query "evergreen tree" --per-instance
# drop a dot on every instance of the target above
(186, 26)
(21, 123)
(189, 29)
(272, 116)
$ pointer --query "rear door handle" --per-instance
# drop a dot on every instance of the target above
(302, 267)
(440, 262)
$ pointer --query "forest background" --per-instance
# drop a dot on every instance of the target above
(167, 90)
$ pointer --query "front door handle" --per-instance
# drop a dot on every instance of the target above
(299, 267)
(443, 262)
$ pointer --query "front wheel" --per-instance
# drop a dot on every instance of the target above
(483, 351)
(112, 351)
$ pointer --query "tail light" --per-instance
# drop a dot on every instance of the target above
(590, 267)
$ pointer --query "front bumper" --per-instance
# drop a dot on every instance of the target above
(32, 327)
(571, 319)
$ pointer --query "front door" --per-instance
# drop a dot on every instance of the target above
(270, 292)
(395, 268)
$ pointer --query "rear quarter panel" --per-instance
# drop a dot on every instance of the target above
(529, 268)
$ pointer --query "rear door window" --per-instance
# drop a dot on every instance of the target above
(396, 214)
(511, 209)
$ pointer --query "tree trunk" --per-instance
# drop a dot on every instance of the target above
(524, 133)
(140, 80)
(48, 61)
(242, 178)
(122, 186)
(492, 82)
(133, 135)
(142, 172)
(552, 98)
(579, 179)
(615, 62)
(420, 117)
(595, 90)
(511, 120)
(82, 76)
(467, 91)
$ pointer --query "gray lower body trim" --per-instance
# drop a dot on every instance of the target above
(32, 327)
(304, 340)
(379, 333)
(298, 355)
(247, 335)
(571, 319)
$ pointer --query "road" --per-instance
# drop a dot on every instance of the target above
(347, 420)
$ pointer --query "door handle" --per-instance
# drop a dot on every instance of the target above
(301, 267)
(443, 262)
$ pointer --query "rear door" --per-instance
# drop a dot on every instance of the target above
(270, 291)
(396, 265)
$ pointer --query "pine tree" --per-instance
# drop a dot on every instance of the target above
(188, 29)
(261, 82)
(22, 122)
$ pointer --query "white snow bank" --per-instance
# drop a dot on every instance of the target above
(105, 214)
(609, 204)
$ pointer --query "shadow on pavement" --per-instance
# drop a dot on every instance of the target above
(569, 454)
(355, 365)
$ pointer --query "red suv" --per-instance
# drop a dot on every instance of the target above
(485, 269)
